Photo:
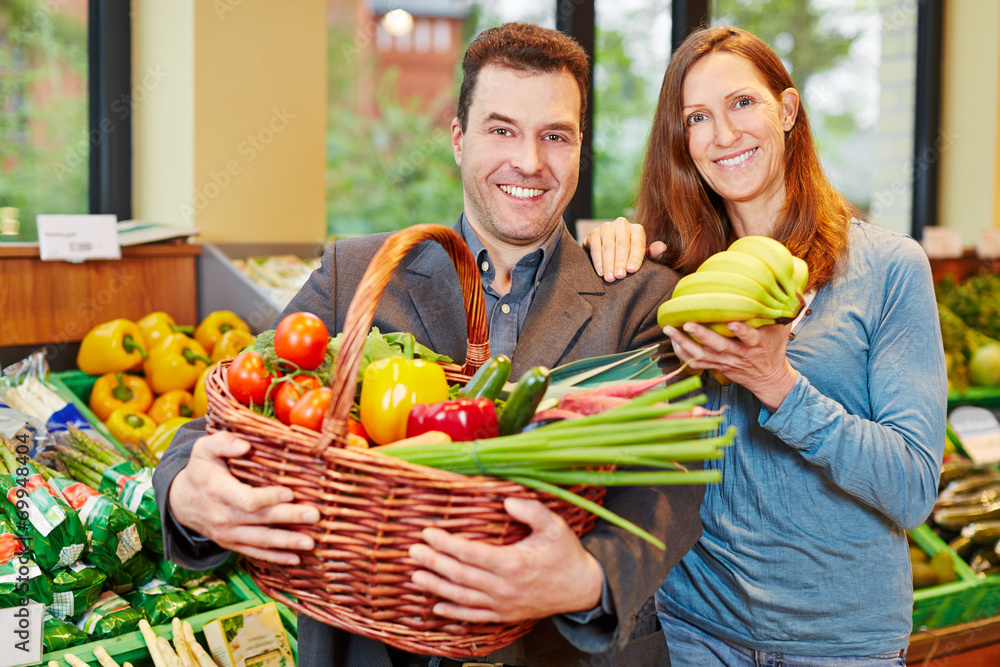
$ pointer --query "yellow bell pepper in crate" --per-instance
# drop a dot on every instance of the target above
(111, 347)
(119, 390)
(164, 434)
(158, 325)
(175, 363)
(210, 330)
(174, 403)
(390, 388)
(130, 426)
(199, 405)
(231, 344)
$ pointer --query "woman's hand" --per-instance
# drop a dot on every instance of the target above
(755, 358)
(619, 247)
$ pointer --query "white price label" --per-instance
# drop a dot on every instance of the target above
(76, 238)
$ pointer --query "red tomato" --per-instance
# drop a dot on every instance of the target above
(311, 408)
(355, 427)
(301, 338)
(288, 395)
(248, 379)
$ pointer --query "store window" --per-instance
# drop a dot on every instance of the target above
(44, 147)
(632, 46)
(855, 63)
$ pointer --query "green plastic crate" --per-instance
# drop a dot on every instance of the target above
(984, 397)
(947, 604)
(75, 387)
(131, 647)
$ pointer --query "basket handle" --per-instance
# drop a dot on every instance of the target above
(361, 313)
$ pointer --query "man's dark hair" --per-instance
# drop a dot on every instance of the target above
(525, 47)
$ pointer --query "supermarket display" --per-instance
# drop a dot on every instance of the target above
(79, 525)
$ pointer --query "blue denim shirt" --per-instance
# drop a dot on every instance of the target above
(506, 314)
(804, 550)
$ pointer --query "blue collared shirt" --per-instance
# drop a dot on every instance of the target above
(506, 314)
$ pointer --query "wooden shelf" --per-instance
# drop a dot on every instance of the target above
(975, 644)
(58, 302)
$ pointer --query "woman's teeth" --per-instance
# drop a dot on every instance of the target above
(738, 159)
(520, 193)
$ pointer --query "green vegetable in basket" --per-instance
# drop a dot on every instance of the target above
(115, 533)
(75, 589)
(58, 634)
(159, 602)
(110, 616)
(213, 594)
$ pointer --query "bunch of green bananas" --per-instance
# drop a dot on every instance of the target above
(756, 281)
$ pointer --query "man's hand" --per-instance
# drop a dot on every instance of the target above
(548, 572)
(619, 247)
(205, 497)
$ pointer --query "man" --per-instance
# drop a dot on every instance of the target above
(517, 140)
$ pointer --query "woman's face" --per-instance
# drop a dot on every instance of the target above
(736, 129)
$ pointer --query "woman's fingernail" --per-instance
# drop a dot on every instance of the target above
(633, 267)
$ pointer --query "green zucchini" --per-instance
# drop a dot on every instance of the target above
(488, 381)
(523, 400)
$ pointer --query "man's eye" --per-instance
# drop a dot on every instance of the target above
(502, 131)
(555, 137)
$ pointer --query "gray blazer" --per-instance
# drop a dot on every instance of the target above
(573, 315)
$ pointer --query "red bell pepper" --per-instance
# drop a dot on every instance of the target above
(463, 419)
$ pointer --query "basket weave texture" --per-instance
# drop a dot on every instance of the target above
(373, 506)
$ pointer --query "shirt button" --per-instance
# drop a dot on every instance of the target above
(791, 336)
(485, 266)
(505, 308)
(809, 311)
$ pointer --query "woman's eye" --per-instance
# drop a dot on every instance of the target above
(695, 118)
(744, 102)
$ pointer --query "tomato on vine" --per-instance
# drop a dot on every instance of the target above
(311, 408)
(301, 338)
(289, 393)
(249, 378)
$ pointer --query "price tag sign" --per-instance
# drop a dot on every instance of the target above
(979, 431)
(942, 242)
(76, 238)
(988, 246)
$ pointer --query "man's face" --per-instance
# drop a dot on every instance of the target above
(520, 153)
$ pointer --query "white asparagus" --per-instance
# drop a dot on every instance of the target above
(104, 658)
(203, 657)
(126, 664)
(73, 660)
(180, 644)
(53, 663)
(167, 652)
(150, 638)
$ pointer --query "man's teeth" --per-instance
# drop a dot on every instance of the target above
(738, 159)
(520, 193)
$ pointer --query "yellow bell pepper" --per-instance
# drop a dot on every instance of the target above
(390, 388)
(199, 405)
(174, 403)
(118, 390)
(164, 434)
(158, 325)
(111, 347)
(130, 426)
(231, 344)
(216, 323)
(175, 363)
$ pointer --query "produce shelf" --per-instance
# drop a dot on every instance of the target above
(984, 397)
(951, 603)
(131, 647)
(76, 386)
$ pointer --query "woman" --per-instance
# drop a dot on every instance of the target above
(840, 415)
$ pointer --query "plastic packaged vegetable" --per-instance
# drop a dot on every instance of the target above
(75, 589)
(58, 634)
(159, 602)
(115, 532)
(132, 486)
(213, 594)
(135, 572)
(20, 577)
(110, 616)
(175, 575)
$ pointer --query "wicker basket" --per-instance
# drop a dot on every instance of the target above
(374, 506)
